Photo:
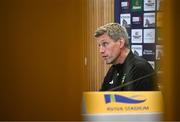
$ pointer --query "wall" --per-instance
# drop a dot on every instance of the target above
(171, 61)
(41, 63)
(98, 13)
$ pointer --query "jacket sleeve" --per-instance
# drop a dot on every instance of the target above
(142, 77)
(107, 79)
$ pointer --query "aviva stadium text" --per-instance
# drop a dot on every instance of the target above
(128, 108)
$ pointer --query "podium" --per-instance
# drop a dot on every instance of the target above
(122, 106)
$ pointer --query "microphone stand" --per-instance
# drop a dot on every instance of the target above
(131, 82)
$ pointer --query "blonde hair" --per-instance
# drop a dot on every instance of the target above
(115, 31)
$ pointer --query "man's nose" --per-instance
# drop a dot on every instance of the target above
(101, 50)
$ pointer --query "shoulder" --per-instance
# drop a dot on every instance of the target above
(141, 64)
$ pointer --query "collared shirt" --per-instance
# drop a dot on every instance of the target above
(135, 74)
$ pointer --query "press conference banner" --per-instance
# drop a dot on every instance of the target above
(143, 21)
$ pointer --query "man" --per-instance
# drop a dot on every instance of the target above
(128, 71)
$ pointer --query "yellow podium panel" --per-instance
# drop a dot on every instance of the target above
(122, 102)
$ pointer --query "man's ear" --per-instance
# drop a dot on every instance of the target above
(122, 42)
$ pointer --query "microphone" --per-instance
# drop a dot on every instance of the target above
(131, 82)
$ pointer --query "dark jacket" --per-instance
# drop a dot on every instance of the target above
(135, 74)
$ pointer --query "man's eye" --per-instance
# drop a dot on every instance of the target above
(105, 44)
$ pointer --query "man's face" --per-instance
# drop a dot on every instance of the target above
(109, 49)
